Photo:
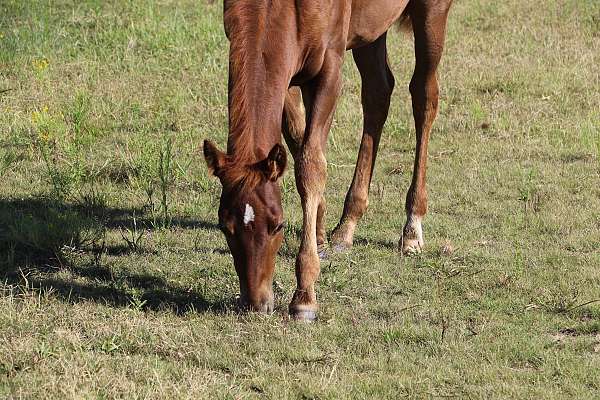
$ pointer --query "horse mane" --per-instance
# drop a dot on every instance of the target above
(244, 22)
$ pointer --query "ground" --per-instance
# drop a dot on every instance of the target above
(117, 283)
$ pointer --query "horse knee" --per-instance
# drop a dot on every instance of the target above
(311, 172)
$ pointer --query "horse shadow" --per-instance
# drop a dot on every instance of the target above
(36, 233)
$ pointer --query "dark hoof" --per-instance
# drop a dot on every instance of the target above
(322, 252)
(304, 315)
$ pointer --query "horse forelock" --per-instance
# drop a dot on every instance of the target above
(240, 178)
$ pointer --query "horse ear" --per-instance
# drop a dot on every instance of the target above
(274, 165)
(214, 157)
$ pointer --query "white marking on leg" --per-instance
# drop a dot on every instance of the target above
(412, 237)
(248, 214)
(414, 222)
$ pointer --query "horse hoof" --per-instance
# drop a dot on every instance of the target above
(342, 247)
(304, 315)
(411, 247)
(322, 252)
(412, 237)
(341, 238)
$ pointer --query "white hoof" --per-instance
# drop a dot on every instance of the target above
(411, 247)
(412, 237)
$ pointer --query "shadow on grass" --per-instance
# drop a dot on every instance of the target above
(37, 235)
(214, 250)
(127, 222)
(384, 244)
(156, 293)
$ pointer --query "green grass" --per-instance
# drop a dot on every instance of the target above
(116, 282)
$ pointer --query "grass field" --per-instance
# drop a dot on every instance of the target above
(116, 282)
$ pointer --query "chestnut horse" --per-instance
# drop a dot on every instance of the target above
(285, 66)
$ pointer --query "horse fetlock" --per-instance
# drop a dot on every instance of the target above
(342, 236)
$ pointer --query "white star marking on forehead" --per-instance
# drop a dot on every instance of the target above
(248, 214)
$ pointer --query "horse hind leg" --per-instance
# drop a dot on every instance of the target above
(429, 27)
(293, 127)
(377, 87)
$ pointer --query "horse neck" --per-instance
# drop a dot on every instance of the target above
(256, 90)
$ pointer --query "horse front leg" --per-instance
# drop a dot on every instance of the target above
(311, 174)
(293, 127)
